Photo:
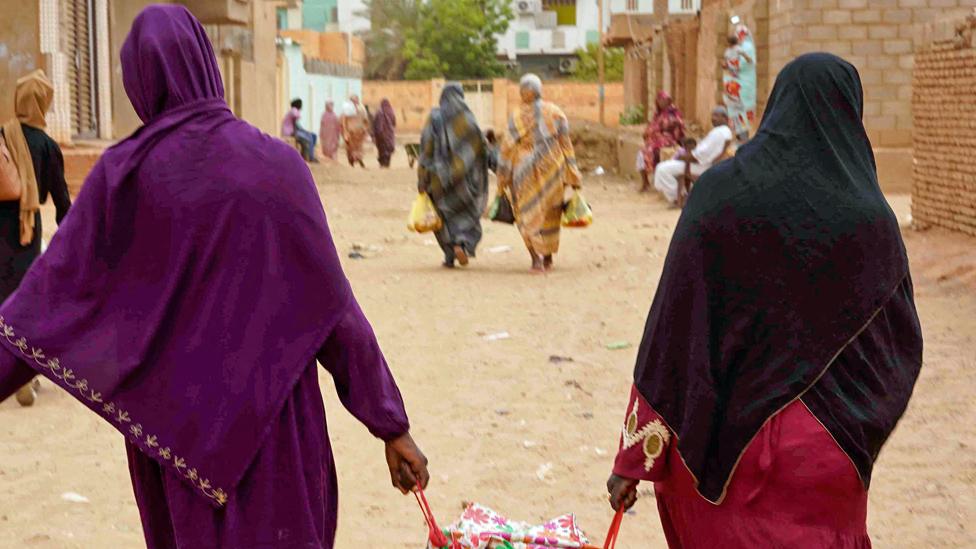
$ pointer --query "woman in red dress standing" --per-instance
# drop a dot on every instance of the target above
(666, 129)
(783, 343)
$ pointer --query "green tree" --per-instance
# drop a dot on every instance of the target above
(391, 22)
(456, 39)
(613, 64)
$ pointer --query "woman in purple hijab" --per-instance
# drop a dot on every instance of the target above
(186, 298)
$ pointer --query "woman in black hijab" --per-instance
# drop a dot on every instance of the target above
(783, 344)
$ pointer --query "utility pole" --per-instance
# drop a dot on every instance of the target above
(599, 60)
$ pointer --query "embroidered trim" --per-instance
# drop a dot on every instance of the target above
(93, 398)
(652, 437)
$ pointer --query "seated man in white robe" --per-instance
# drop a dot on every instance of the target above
(708, 151)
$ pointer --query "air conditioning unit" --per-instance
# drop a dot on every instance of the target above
(567, 65)
(528, 7)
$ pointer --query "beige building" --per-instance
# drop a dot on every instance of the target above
(77, 43)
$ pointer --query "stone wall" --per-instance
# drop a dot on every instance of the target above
(944, 117)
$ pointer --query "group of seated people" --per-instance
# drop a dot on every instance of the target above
(676, 160)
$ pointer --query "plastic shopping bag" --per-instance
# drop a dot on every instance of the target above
(423, 216)
(576, 212)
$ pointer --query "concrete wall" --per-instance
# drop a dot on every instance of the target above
(413, 100)
(258, 77)
(313, 89)
(20, 49)
(944, 105)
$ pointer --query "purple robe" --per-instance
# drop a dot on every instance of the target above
(184, 299)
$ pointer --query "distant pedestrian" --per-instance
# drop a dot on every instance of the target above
(739, 82)
(188, 299)
(291, 127)
(537, 164)
(355, 129)
(384, 132)
(40, 172)
(330, 131)
(453, 170)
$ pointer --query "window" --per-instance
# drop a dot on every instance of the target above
(522, 40)
(565, 11)
(592, 37)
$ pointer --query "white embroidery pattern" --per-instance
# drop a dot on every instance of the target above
(110, 411)
(652, 437)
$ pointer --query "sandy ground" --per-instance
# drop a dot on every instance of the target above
(493, 416)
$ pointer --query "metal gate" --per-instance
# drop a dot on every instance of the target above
(479, 95)
(78, 35)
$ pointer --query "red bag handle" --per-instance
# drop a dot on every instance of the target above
(614, 530)
(436, 536)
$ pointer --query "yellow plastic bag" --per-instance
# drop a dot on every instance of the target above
(423, 217)
(576, 212)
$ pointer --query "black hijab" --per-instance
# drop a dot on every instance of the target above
(783, 257)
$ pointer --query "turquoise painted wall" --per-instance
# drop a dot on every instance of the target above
(316, 14)
(315, 89)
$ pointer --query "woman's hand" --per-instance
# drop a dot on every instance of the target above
(623, 492)
(407, 464)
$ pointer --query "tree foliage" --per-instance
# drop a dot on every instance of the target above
(613, 64)
(391, 22)
(420, 39)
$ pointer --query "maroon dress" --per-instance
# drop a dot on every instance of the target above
(793, 486)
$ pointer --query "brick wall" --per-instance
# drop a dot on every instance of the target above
(944, 113)
(877, 36)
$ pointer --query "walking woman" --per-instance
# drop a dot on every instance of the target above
(329, 131)
(40, 171)
(384, 132)
(783, 344)
(537, 164)
(666, 129)
(739, 82)
(453, 170)
(186, 300)
(355, 130)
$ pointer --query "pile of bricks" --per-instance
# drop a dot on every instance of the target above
(944, 111)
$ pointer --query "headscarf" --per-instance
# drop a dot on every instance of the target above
(195, 278)
(32, 99)
(663, 95)
(780, 259)
(457, 142)
(530, 88)
(384, 124)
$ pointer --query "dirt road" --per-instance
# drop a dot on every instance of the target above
(501, 422)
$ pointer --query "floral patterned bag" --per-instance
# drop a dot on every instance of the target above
(481, 528)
